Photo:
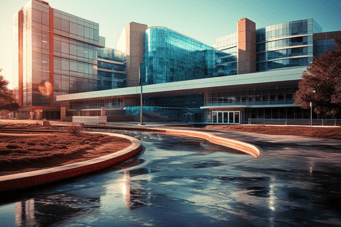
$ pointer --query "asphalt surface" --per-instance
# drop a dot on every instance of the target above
(180, 181)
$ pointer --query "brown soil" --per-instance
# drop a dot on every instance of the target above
(21, 154)
(317, 132)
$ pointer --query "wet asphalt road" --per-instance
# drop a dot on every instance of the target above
(179, 181)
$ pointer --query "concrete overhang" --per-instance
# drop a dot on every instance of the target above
(287, 77)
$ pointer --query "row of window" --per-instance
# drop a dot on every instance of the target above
(75, 29)
(40, 40)
(227, 41)
(97, 104)
(111, 75)
(283, 63)
(110, 66)
(251, 96)
(111, 54)
(284, 30)
(64, 84)
(296, 41)
(62, 65)
(74, 49)
(284, 53)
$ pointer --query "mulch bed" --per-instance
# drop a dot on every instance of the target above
(317, 132)
(21, 154)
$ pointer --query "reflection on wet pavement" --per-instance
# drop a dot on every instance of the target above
(189, 182)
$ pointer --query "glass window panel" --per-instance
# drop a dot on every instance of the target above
(96, 35)
(73, 28)
(36, 40)
(66, 26)
(90, 68)
(65, 84)
(91, 33)
(36, 60)
(65, 64)
(80, 30)
(73, 49)
(57, 46)
(73, 65)
(80, 67)
(80, 51)
(45, 62)
(79, 84)
(36, 15)
(87, 32)
(57, 83)
(57, 63)
(65, 48)
(45, 19)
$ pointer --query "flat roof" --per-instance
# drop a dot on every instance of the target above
(254, 80)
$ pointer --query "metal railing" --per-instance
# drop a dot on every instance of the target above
(316, 122)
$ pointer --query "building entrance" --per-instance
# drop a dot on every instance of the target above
(226, 117)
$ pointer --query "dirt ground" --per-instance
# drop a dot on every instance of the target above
(317, 132)
(24, 151)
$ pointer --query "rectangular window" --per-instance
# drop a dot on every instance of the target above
(57, 46)
(73, 49)
(45, 62)
(65, 84)
(73, 28)
(80, 30)
(66, 26)
(65, 64)
(73, 66)
(65, 48)
(36, 16)
(80, 67)
(57, 63)
(87, 32)
(45, 19)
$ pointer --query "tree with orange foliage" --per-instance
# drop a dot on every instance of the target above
(321, 83)
(6, 99)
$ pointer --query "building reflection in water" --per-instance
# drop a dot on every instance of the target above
(133, 193)
(24, 213)
(51, 209)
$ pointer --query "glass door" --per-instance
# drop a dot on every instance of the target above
(236, 117)
(226, 116)
(220, 117)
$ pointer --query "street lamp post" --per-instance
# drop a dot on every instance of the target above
(311, 112)
(141, 101)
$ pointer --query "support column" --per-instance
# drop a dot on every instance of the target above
(246, 62)
(62, 113)
(103, 111)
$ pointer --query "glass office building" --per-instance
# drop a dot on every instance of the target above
(57, 53)
(169, 56)
(111, 69)
(287, 44)
(226, 55)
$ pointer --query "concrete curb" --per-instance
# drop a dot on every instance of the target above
(234, 144)
(39, 177)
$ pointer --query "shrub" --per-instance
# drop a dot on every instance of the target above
(74, 129)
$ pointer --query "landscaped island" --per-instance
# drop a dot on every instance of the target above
(22, 151)
(317, 132)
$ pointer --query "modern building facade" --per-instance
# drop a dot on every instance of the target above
(252, 73)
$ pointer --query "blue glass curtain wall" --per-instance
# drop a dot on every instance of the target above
(169, 56)
(111, 69)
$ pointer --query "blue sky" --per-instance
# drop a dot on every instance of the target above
(202, 20)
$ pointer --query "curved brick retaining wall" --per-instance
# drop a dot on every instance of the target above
(34, 178)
